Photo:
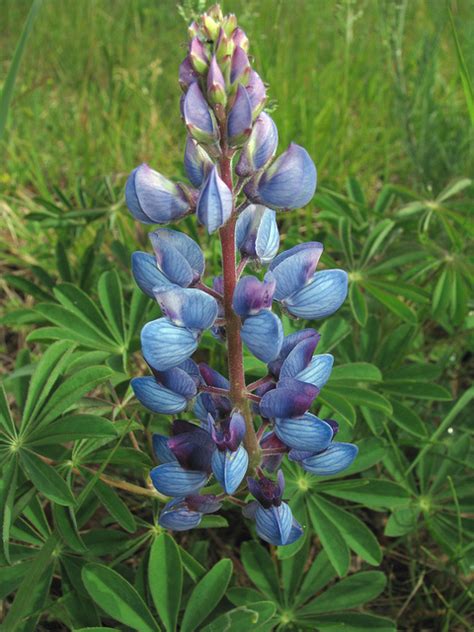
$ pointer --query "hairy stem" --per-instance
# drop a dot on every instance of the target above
(234, 341)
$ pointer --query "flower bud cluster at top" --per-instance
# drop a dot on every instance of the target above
(241, 432)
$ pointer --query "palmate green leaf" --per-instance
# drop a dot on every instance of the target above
(118, 598)
(7, 425)
(332, 541)
(46, 479)
(75, 299)
(407, 419)
(356, 371)
(165, 579)
(73, 428)
(248, 617)
(47, 371)
(206, 595)
(351, 622)
(358, 304)
(373, 493)
(111, 299)
(115, 506)
(71, 390)
(394, 304)
(350, 592)
(261, 570)
(7, 498)
(356, 534)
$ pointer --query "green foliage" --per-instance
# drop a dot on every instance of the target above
(381, 90)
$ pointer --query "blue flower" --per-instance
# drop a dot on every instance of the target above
(187, 307)
(256, 233)
(165, 345)
(230, 460)
(184, 513)
(214, 205)
(153, 199)
(239, 122)
(168, 392)
(334, 459)
(199, 119)
(260, 147)
(178, 256)
(197, 163)
(257, 93)
(289, 182)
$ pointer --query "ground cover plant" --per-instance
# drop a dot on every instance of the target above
(379, 94)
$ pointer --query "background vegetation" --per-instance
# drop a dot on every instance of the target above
(379, 93)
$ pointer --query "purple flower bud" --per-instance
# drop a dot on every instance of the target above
(212, 377)
(231, 434)
(198, 117)
(198, 55)
(240, 39)
(252, 295)
(216, 90)
(197, 163)
(271, 442)
(214, 205)
(211, 26)
(260, 147)
(229, 24)
(206, 504)
(239, 124)
(152, 198)
(334, 425)
(257, 93)
(224, 49)
(191, 445)
(187, 74)
(290, 182)
(240, 67)
(268, 493)
(256, 233)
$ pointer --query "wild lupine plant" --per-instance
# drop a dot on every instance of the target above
(242, 431)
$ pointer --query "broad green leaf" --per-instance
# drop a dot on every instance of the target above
(47, 371)
(356, 534)
(138, 307)
(165, 579)
(373, 493)
(206, 595)
(71, 390)
(358, 304)
(416, 372)
(350, 592)
(402, 521)
(243, 617)
(6, 419)
(356, 371)
(111, 299)
(407, 419)
(213, 522)
(46, 479)
(73, 428)
(115, 506)
(193, 568)
(261, 570)
(332, 541)
(243, 596)
(418, 390)
(7, 498)
(65, 524)
(365, 397)
(118, 598)
(12, 576)
(376, 239)
(332, 398)
(351, 622)
(27, 287)
(319, 574)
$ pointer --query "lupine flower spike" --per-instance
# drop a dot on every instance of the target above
(226, 431)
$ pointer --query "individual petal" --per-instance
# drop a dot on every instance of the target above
(289, 343)
(236, 431)
(304, 433)
(179, 379)
(252, 295)
(212, 377)
(318, 371)
(240, 67)
(266, 491)
(240, 38)
(260, 147)
(165, 346)
(152, 198)
(192, 446)
(290, 182)
(205, 503)
(336, 458)
(294, 268)
(274, 524)
(263, 335)
(178, 256)
(161, 449)
(292, 399)
(171, 479)
(257, 93)
(156, 397)
(187, 307)
(214, 205)
(256, 233)
(250, 510)
(229, 468)
(146, 274)
(239, 122)
(271, 442)
(178, 517)
(198, 117)
(298, 359)
(321, 297)
(197, 163)
(216, 90)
